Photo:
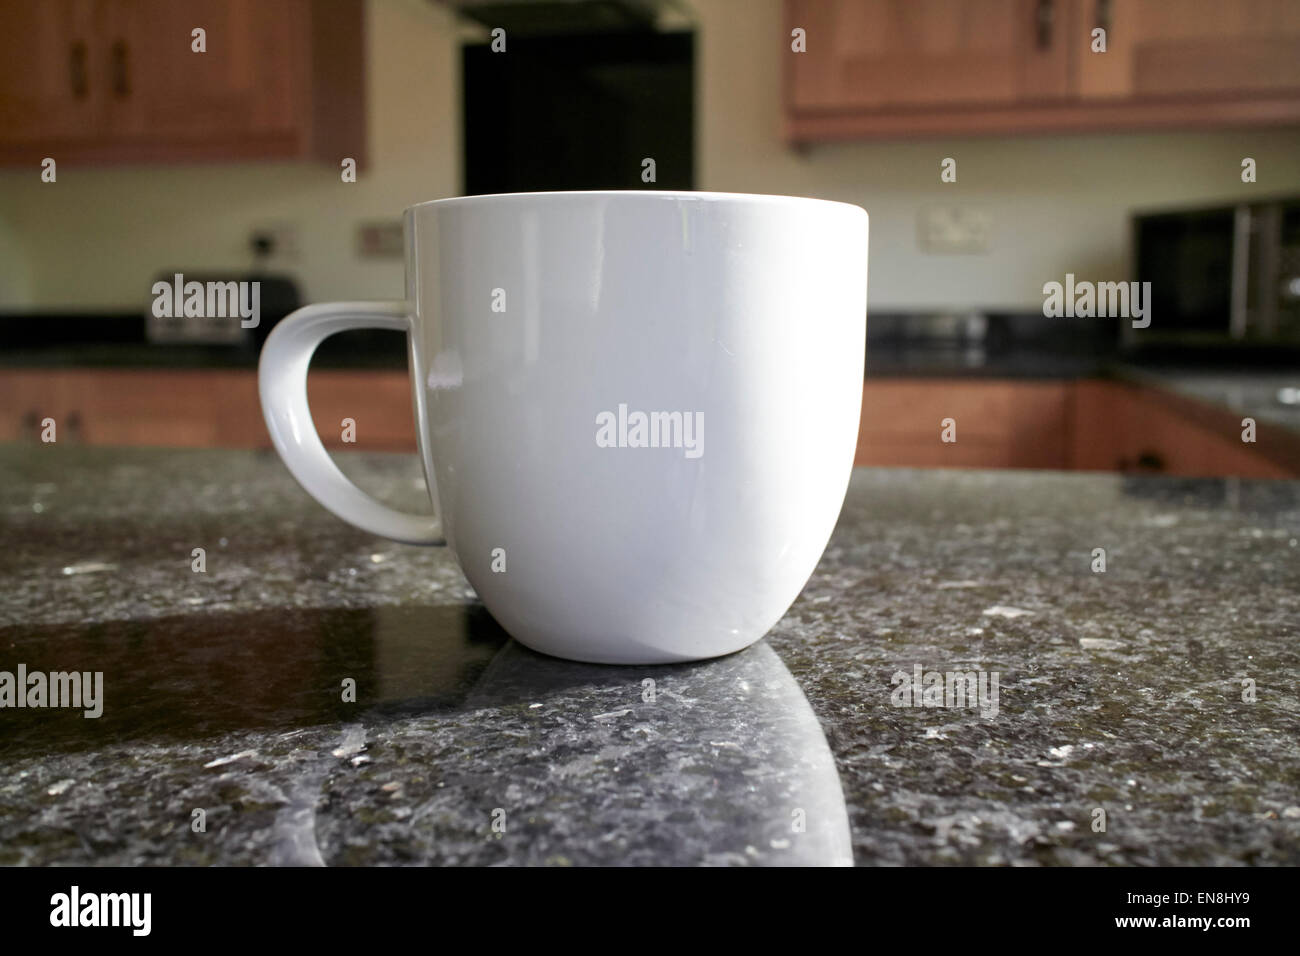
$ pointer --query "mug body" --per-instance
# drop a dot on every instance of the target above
(637, 411)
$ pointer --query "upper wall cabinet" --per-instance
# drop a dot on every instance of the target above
(897, 68)
(1241, 50)
(100, 81)
(904, 54)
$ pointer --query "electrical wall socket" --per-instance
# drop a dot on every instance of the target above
(954, 229)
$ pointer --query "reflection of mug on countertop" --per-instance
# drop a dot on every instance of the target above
(637, 411)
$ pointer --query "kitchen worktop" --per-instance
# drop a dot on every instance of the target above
(223, 693)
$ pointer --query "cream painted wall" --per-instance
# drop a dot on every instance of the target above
(97, 237)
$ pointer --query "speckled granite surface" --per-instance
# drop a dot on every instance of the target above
(1119, 691)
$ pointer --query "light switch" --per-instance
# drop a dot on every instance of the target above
(381, 240)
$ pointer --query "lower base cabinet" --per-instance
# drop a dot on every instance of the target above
(1097, 425)
(1088, 425)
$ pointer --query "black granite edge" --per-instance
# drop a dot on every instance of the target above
(882, 363)
(119, 339)
(1217, 355)
(894, 363)
(1125, 368)
(355, 348)
(192, 357)
(55, 329)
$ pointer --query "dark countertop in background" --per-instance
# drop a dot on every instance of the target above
(1119, 691)
(1009, 345)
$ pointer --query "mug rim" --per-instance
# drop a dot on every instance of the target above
(676, 194)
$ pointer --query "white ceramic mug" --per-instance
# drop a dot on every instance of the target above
(637, 411)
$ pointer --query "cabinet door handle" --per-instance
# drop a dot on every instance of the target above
(77, 69)
(1044, 14)
(121, 69)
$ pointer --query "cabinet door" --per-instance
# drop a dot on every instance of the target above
(997, 424)
(1170, 48)
(242, 84)
(878, 54)
(199, 408)
(49, 57)
(1121, 427)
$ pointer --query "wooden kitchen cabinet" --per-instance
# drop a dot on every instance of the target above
(1190, 48)
(1089, 425)
(199, 408)
(928, 53)
(998, 424)
(45, 67)
(892, 68)
(122, 407)
(240, 87)
(1086, 425)
(1115, 426)
(90, 81)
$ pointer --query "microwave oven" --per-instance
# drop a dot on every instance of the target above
(1220, 275)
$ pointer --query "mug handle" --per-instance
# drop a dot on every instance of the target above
(282, 385)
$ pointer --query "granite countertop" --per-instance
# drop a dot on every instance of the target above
(1119, 691)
